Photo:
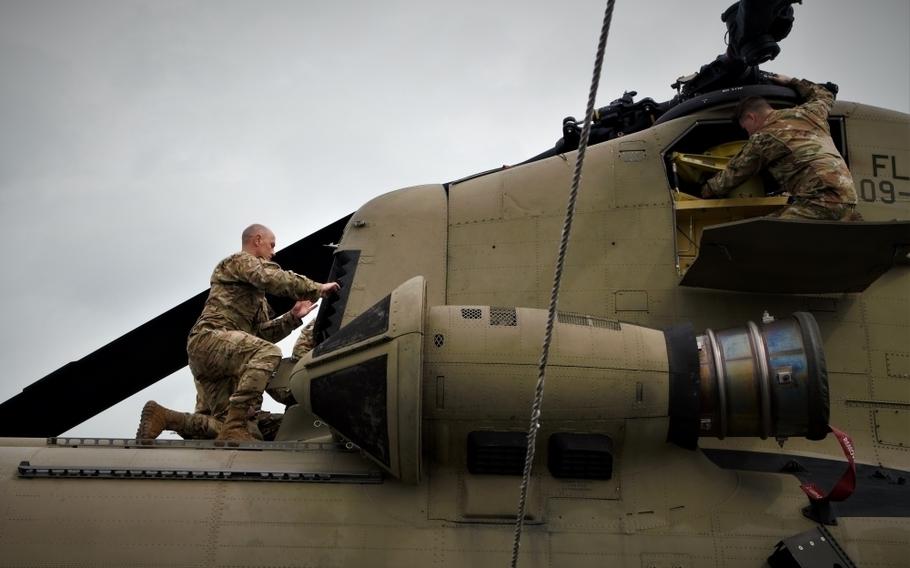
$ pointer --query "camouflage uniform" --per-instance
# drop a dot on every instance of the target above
(204, 426)
(231, 347)
(196, 426)
(305, 343)
(796, 148)
(201, 425)
(282, 394)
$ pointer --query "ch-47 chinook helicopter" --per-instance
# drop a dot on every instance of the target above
(700, 356)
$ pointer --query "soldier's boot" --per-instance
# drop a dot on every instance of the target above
(235, 427)
(156, 419)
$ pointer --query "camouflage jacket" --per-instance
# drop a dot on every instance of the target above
(237, 298)
(305, 342)
(794, 145)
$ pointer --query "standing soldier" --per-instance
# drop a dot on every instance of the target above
(794, 145)
(231, 347)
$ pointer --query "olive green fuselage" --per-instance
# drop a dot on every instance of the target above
(492, 240)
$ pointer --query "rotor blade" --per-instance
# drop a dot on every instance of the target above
(81, 389)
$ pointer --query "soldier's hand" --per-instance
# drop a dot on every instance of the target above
(328, 288)
(302, 308)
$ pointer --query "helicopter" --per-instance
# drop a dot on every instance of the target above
(701, 351)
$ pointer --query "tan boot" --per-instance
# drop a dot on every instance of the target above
(155, 419)
(235, 426)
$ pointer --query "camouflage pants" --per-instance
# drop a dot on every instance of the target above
(232, 368)
(279, 388)
(820, 210)
(200, 426)
(196, 426)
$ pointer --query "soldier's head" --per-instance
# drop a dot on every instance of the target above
(259, 241)
(751, 113)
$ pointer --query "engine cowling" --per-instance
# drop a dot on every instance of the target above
(400, 367)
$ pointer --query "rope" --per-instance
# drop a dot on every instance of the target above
(557, 278)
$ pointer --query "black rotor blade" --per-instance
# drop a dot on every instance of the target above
(81, 389)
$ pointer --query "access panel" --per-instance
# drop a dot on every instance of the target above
(791, 256)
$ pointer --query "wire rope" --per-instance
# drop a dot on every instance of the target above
(557, 278)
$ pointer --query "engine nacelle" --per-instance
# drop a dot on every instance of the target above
(400, 366)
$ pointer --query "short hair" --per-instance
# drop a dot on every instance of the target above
(749, 104)
(251, 232)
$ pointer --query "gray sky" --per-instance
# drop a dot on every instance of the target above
(138, 138)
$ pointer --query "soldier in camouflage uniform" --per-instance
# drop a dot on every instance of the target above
(231, 347)
(794, 145)
(201, 425)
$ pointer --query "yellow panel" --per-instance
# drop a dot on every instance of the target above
(744, 203)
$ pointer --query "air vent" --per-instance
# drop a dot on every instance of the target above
(582, 319)
(328, 321)
(573, 319)
(503, 316)
(471, 313)
(580, 456)
(497, 453)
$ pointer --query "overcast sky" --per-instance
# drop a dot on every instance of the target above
(138, 138)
